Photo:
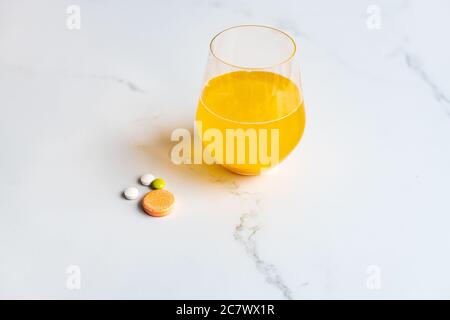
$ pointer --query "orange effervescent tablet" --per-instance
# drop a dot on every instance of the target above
(158, 203)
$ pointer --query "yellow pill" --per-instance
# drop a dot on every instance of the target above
(158, 203)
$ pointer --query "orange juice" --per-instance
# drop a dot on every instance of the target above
(254, 100)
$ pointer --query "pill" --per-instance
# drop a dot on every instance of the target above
(146, 179)
(158, 184)
(158, 203)
(131, 193)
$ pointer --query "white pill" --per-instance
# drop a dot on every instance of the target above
(131, 193)
(146, 179)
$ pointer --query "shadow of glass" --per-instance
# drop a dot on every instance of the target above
(159, 148)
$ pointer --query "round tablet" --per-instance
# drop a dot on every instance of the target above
(158, 183)
(146, 179)
(131, 193)
(158, 203)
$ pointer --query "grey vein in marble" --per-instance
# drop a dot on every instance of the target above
(416, 67)
(245, 233)
(246, 230)
(292, 28)
(119, 80)
(131, 85)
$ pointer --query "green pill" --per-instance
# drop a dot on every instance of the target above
(158, 183)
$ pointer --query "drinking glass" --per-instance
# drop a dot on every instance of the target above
(250, 114)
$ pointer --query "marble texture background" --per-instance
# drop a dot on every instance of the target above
(85, 112)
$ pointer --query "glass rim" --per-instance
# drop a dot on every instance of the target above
(289, 58)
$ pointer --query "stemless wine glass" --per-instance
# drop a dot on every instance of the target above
(250, 114)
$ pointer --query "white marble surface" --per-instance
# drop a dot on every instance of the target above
(85, 112)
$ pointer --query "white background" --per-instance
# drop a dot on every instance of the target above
(85, 112)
